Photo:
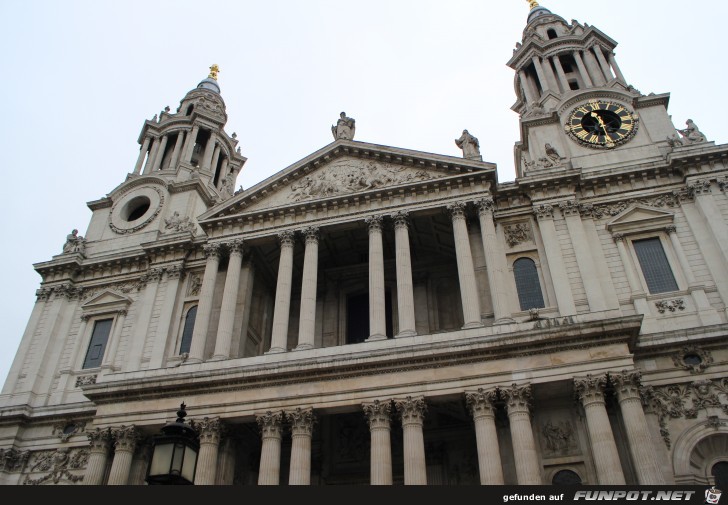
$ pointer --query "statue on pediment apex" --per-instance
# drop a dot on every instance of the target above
(345, 128)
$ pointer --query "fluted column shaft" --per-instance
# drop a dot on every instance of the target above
(160, 154)
(481, 407)
(603, 63)
(593, 66)
(560, 73)
(302, 421)
(126, 439)
(229, 301)
(377, 308)
(644, 457)
(177, 149)
(412, 413)
(204, 309)
(190, 144)
(209, 151)
(98, 457)
(604, 449)
(541, 76)
(378, 416)
(518, 403)
(210, 431)
(466, 270)
(281, 315)
(142, 155)
(405, 287)
(151, 159)
(582, 70)
(270, 454)
(527, 87)
(307, 323)
(494, 262)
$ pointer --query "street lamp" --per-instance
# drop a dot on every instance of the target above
(174, 456)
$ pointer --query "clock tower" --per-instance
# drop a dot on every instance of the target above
(578, 111)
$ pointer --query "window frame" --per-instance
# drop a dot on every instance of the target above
(671, 262)
(534, 256)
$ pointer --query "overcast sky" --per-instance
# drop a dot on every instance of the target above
(80, 78)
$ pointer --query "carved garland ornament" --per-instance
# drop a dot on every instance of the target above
(669, 200)
(701, 359)
(670, 305)
(517, 234)
(138, 227)
(59, 464)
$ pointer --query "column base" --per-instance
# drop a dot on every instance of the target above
(219, 358)
(406, 333)
(469, 326)
(303, 347)
(504, 320)
(275, 350)
(192, 361)
(375, 338)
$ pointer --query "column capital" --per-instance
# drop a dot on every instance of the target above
(211, 250)
(518, 398)
(401, 219)
(544, 211)
(378, 413)
(374, 223)
(570, 208)
(210, 430)
(302, 421)
(481, 402)
(457, 210)
(311, 234)
(286, 238)
(270, 424)
(99, 440)
(411, 410)
(618, 237)
(126, 438)
(175, 271)
(671, 229)
(235, 246)
(486, 206)
(628, 384)
(701, 187)
(590, 389)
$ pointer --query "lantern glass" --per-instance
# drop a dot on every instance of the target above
(162, 458)
(190, 462)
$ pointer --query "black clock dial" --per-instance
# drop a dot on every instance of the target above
(601, 124)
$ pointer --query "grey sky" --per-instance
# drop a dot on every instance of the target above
(80, 77)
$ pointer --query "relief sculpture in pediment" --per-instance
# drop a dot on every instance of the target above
(353, 177)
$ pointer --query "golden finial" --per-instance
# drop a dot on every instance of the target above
(533, 3)
(214, 69)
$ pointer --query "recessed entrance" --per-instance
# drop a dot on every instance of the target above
(357, 317)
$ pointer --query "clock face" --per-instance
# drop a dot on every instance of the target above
(601, 124)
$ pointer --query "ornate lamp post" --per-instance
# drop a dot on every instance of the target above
(174, 457)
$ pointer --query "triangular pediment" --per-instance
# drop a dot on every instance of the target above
(106, 300)
(640, 217)
(346, 169)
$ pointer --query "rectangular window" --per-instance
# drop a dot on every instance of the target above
(96, 347)
(655, 266)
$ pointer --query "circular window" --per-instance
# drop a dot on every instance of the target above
(692, 359)
(135, 209)
(69, 429)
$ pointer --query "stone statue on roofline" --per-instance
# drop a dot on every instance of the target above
(470, 146)
(345, 128)
(74, 243)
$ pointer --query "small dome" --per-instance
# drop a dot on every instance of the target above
(210, 84)
(537, 12)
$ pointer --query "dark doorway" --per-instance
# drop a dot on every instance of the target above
(720, 472)
(357, 317)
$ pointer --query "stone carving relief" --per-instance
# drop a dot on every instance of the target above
(670, 200)
(68, 428)
(351, 177)
(13, 460)
(211, 106)
(517, 234)
(86, 380)
(552, 160)
(559, 437)
(693, 359)
(664, 306)
(684, 401)
(193, 288)
(58, 464)
(177, 224)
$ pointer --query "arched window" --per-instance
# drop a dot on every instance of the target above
(187, 331)
(551, 33)
(566, 478)
(720, 473)
(189, 110)
(527, 284)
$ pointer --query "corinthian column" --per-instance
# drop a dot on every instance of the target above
(412, 412)
(495, 262)
(604, 450)
(466, 271)
(229, 301)
(644, 458)
(126, 439)
(100, 442)
(377, 310)
(270, 454)
(204, 309)
(405, 290)
(210, 431)
(378, 416)
(281, 314)
(307, 324)
(302, 421)
(481, 407)
(518, 403)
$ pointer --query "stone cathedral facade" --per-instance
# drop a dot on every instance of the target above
(377, 315)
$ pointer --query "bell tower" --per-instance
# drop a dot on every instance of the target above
(578, 111)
